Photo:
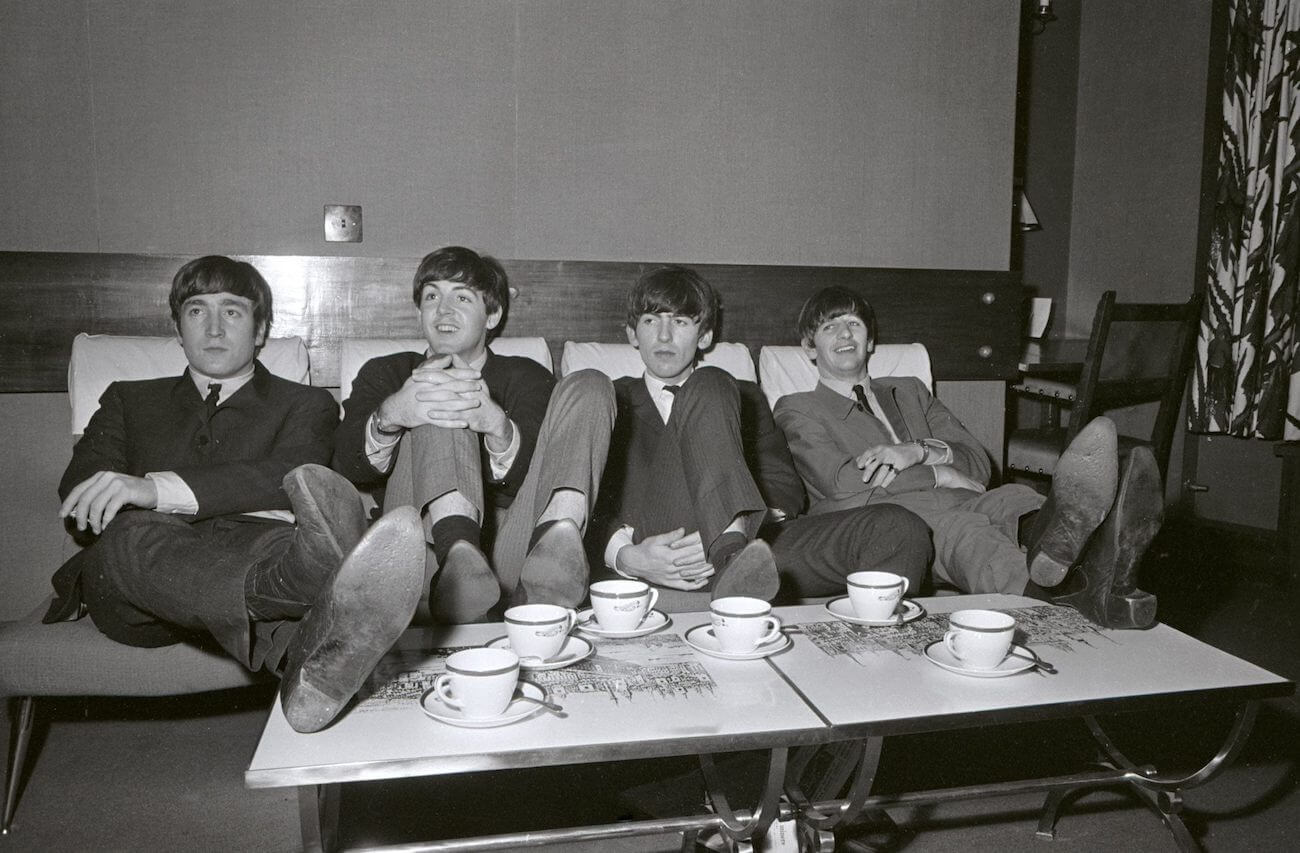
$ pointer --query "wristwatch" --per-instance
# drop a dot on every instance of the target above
(928, 444)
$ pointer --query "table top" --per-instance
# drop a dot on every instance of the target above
(634, 698)
(655, 696)
(1053, 356)
(876, 681)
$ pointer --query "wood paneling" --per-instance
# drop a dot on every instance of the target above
(969, 320)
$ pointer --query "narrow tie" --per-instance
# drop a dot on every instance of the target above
(860, 393)
(672, 389)
(214, 396)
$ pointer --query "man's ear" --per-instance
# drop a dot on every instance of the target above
(260, 340)
(705, 341)
(493, 319)
(809, 350)
(631, 337)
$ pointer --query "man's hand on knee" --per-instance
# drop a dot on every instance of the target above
(95, 501)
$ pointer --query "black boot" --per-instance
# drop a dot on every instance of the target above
(1105, 580)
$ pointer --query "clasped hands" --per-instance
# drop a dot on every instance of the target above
(881, 463)
(96, 501)
(672, 559)
(442, 395)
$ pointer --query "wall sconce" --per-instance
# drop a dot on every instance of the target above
(1041, 17)
(1025, 213)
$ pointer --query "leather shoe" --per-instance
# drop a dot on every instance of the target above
(330, 521)
(1106, 590)
(751, 571)
(1083, 488)
(365, 606)
(555, 570)
(465, 588)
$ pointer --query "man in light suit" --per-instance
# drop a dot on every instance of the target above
(212, 517)
(861, 441)
(699, 480)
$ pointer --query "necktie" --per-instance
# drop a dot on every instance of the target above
(214, 396)
(672, 389)
(860, 393)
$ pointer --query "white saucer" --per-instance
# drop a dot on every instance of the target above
(573, 650)
(701, 639)
(517, 710)
(653, 621)
(937, 653)
(841, 608)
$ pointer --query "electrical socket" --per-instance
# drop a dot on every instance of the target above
(342, 223)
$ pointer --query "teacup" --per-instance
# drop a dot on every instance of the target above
(741, 624)
(539, 630)
(479, 682)
(980, 639)
(875, 595)
(622, 605)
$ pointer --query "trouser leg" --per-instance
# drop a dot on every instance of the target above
(570, 454)
(158, 580)
(815, 553)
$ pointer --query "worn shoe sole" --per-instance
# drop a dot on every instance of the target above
(362, 611)
(555, 570)
(328, 512)
(751, 572)
(465, 588)
(1083, 489)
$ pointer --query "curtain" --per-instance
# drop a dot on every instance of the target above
(1247, 378)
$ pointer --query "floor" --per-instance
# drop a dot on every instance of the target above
(167, 774)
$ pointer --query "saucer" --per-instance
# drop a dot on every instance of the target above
(841, 608)
(937, 653)
(573, 650)
(701, 639)
(517, 710)
(653, 621)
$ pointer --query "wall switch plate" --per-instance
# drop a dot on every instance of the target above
(342, 223)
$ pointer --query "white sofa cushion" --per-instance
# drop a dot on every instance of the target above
(787, 370)
(618, 360)
(355, 352)
(99, 360)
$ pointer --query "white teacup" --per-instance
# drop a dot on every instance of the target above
(539, 630)
(479, 682)
(622, 605)
(980, 639)
(875, 595)
(742, 624)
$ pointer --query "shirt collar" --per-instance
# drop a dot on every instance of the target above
(656, 386)
(476, 364)
(844, 387)
(229, 385)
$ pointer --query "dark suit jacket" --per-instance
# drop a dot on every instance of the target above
(234, 464)
(826, 433)
(637, 429)
(520, 386)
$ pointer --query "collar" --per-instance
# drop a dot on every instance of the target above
(656, 386)
(476, 364)
(229, 385)
(844, 387)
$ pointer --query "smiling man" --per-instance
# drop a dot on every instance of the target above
(498, 459)
(700, 492)
(864, 441)
(211, 514)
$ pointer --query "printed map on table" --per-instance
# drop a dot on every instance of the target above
(1062, 628)
(658, 666)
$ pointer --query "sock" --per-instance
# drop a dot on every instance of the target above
(1024, 525)
(539, 531)
(451, 529)
(725, 547)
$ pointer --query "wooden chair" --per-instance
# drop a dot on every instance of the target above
(73, 658)
(1137, 353)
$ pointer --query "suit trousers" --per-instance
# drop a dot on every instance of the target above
(570, 454)
(154, 580)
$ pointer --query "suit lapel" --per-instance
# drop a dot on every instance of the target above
(889, 405)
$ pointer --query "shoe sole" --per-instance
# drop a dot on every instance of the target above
(362, 611)
(555, 570)
(304, 484)
(464, 589)
(752, 572)
(1083, 489)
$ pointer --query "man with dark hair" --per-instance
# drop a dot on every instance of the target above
(864, 441)
(697, 468)
(497, 457)
(190, 488)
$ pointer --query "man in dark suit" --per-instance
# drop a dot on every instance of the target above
(190, 487)
(862, 441)
(699, 480)
(497, 458)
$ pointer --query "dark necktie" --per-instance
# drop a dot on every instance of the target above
(672, 389)
(860, 394)
(210, 401)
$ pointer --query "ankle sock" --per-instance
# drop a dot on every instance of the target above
(725, 547)
(450, 530)
(539, 531)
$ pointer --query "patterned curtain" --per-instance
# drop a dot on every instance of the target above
(1247, 380)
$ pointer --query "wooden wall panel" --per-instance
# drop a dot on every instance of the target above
(969, 320)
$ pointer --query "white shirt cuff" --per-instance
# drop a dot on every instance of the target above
(500, 463)
(175, 497)
(380, 448)
(948, 477)
(621, 537)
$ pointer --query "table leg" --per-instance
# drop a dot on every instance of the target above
(318, 816)
(732, 827)
(868, 762)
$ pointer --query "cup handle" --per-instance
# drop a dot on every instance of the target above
(654, 599)
(772, 635)
(442, 686)
(571, 620)
(904, 592)
(950, 643)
